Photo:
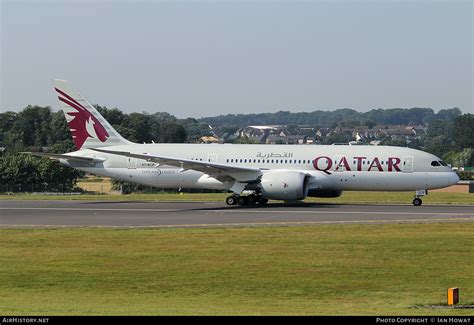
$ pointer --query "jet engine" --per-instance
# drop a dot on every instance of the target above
(284, 185)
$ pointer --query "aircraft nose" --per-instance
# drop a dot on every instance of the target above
(453, 178)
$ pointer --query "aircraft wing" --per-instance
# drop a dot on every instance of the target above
(219, 171)
(57, 156)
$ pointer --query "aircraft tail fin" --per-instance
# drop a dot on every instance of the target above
(88, 128)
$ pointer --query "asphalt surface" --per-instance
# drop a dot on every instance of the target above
(31, 214)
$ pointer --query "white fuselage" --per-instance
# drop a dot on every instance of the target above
(330, 167)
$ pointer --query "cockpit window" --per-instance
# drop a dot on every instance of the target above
(442, 163)
(434, 163)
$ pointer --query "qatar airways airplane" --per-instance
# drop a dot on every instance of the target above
(253, 173)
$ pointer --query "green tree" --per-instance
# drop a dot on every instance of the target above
(337, 138)
(113, 115)
(7, 120)
(438, 139)
(58, 129)
(33, 124)
(139, 124)
(448, 114)
(245, 140)
(398, 142)
(194, 129)
(463, 131)
(172, 133)
(464, 158)
(21, 172)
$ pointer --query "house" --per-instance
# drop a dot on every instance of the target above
(276, 139)
(310, 140)
(296, 139)
(322, 132)
(208, 139)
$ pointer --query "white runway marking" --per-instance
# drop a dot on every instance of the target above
(248, 211)
(249, 224)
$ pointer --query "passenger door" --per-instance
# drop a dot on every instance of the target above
(131, 163)
(407, 164)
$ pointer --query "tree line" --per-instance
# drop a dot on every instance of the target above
(394, 116)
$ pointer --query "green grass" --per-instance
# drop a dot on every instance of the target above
(323, 270)
(347, 197)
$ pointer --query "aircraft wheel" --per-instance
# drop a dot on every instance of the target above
(252, 199)
(262, 201)
(417, 202)
(242, 200)
(231, 200)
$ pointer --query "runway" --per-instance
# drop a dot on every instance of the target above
(127, 214)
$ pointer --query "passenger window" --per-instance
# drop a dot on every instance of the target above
(435, 163)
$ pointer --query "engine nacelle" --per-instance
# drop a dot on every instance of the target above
(284, 185)
(324, 193)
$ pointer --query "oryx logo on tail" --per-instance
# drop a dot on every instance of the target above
(81, 122)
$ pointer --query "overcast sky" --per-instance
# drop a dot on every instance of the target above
(204, 58)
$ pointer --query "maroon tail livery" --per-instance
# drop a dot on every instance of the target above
(82, 123)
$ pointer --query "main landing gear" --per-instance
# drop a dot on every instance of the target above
(245, 200)
(417, 200)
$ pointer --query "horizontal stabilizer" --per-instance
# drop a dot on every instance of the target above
(57, 156)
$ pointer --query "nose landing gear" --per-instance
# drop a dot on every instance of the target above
(417, 200)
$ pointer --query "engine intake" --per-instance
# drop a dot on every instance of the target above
(284, 185)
